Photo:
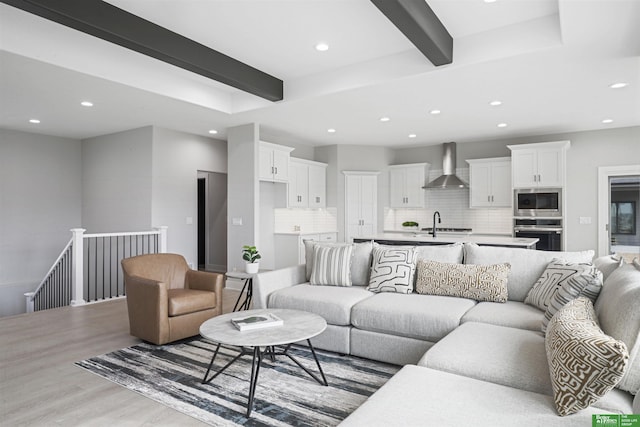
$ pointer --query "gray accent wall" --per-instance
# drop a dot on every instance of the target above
(116, 181)
(40, 201)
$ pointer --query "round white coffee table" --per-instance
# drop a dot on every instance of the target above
(297, 326)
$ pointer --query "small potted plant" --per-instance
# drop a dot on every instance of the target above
(251, 256)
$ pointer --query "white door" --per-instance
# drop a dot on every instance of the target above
(298, 185)
(525, 168)
(317, 186)
(414, 180)
(550, 167)
(397, 196)
(281, 165)
(480, 179)
(501, 184)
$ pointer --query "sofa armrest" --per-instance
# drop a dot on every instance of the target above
(206, 281)
(269, 281)
(148, 308)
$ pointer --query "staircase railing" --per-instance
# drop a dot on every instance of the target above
(88, 268)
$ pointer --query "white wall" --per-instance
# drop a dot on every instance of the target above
(116, 181)
(40, 188)
(176, 159)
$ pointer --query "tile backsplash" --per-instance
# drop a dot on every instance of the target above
(453, 206)
(305, 220)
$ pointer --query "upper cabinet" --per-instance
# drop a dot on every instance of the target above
(307, 184)
(490, 182)
(405, 185)
(539, 165)
(274, 162)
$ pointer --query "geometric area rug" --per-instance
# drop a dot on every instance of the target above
(285, 395)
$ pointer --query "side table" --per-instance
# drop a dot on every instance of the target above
(247, 289)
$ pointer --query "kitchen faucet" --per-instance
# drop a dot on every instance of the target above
(434, 222)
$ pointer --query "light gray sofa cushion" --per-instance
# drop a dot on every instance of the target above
(526, 264)
(425, 317)
(418, 396)
(501, 355)
(513, 314)
(608, 264)
(442, 253)
(331, 302)
(618, 311)
(387, 348)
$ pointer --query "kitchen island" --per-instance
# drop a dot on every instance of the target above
(423, 239)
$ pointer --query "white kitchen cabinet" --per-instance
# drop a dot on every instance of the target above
(291, 249)
(274, 162)
(539, 165)
(405, 185)
(361, 204)
(307, 184)
(490, 183)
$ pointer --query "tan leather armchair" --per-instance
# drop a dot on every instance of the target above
(166, 300)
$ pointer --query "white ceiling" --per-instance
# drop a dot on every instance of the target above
(549, 61)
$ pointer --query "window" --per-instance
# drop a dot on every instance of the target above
(623, 217)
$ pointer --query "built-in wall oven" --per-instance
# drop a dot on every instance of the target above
(537, 213)
(549, 231)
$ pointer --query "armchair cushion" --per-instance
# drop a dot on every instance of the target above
(185, 301)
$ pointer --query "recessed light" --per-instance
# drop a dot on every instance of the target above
(489, 1)
(86, 104)
(607, 121)
(435, 112)
(495, 103)
(412, 135)
(34, 121)
(502, 125)
(213, 131)
(331, 130)
(619, 85)
(384, 119)
(322, 47)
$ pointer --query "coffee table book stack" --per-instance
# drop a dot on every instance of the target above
(251, 322)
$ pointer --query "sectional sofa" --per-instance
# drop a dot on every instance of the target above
(475, 354)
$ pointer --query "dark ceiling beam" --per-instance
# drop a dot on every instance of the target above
(421, 26)
(103, 20)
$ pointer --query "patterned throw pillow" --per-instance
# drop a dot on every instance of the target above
(331, 265)
(558, 272)
(585, 364)
(588, 284)
(478, 282)
(392, 270)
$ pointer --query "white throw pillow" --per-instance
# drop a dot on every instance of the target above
(393, 269)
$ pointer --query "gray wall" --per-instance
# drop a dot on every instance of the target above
(177, 157)
(40, 201)
(243, 195)
(116, 181)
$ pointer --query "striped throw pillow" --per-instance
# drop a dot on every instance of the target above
(331, 265)
(584, 362)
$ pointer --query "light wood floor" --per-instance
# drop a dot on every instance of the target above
(41, 386)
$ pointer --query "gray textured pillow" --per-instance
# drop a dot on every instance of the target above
(393, 269)
(443, 253)
(478, 282)
(587, 284)
(584, 362)
(331, 265)
(558, 272)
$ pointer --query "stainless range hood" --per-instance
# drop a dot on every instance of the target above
(448, 179)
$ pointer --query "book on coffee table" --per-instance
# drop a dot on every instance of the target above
(256, 321)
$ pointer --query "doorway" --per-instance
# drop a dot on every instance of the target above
(618, 211)
(212, 221)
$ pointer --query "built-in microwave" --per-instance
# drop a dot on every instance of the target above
(537, 202)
